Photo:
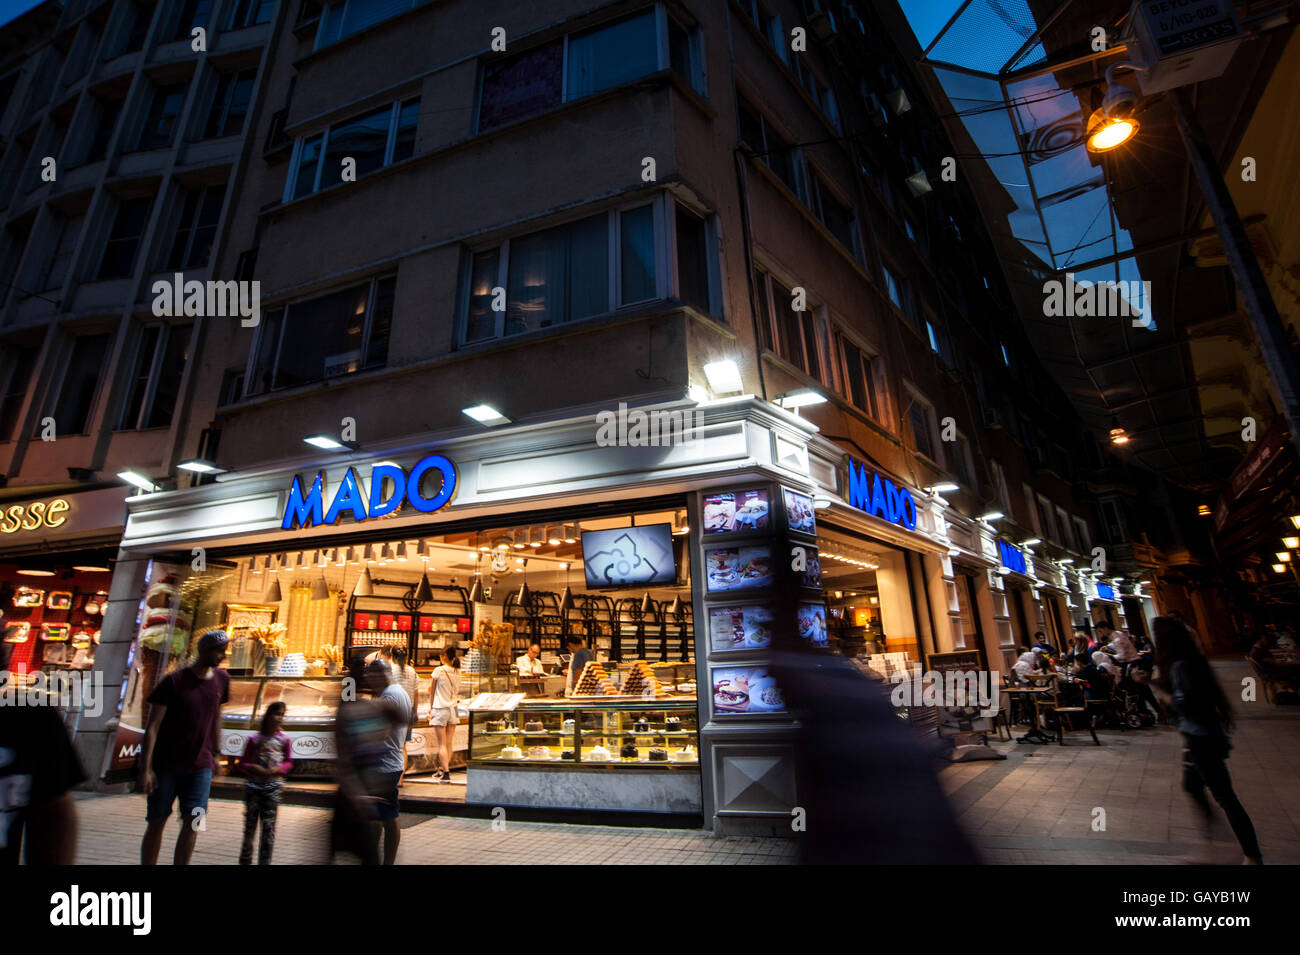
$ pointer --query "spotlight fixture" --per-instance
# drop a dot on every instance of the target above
(822, 501)
(33, 572)
(200, 466)
(401, 551)
(1067, 560)
(364, 587)
(947, 488)
(1114, 123)
(570, 533)
(724, 377)
(1203, 510)
(1117, 433)
(252, 566)
(1295, 521)
(1031, 542)
(273, 595)
(1279, 568)
(553, 536)
(423, 592)
(518, 539)
(536, 537)
(801, 398)
(328, 442)
(992, 516)
(1291, 543)
(1284, 557)
(486, 415)
(138, 480)
(370, 554)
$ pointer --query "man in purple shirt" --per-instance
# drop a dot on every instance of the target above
(181, 746)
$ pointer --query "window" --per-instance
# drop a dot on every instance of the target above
(324, 337)
(693, 272)
(15, 375)
(1081, 535)
(346, 17)
(860, 378)
(920, 416)
(1032, 502)
(1048, 521)
(69, 232)
(124, 239)
(562, 274)
(896, 289)
(542, 78)
(772, 150)
(962, 464)
(106, 114)
(155, 382)
(229, 106)
(770, 26)
(136, 29)
(374, 140)
(197, 227)
(248, 13)
(1000, 487)
(160, 122)
(835, 215)
(80, 383)
(790, 333)
(194, 14)
(1063, 523)
(1112, 522)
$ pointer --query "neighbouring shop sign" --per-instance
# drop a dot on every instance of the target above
(1012, 557)
(1105, 591)
(390, 486)
(33, 515)
(880, 497)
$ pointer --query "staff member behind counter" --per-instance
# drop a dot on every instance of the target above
(528, 663)
(578, 660)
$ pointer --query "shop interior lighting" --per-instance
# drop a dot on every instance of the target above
(647, 605)
(1295, 521)
(501, 543)
(724, 377)
(1291, 543)
(553, 536)
(322, 558)
(525, 595)
(137, 479)
(1277, 569)
(364, 587)
(200, 466)
(518, 539)
(252, 566)
(423, 592)
(992, 516)
(401, 551)
(486, 415)
(90, 568)
(536, 537)
(370, 554)
(571, 533)
(1203, 510)
(273, 594)
(802, 398)
(1284, 557)
(1114, 123)
(329, 443)
(32, 572)
(320, 590)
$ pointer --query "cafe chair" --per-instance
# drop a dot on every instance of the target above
(1067, 710)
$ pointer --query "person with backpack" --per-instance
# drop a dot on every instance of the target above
(265, 762)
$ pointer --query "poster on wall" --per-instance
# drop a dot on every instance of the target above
(810, 577)
(750, 689)
(732, 511)
(800, 515)
(812, 624)
(739, 568)
(740, 628)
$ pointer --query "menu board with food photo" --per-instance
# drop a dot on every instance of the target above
(736, 511)
(739, 568)
(740, 628)
(811, 576)
(746, 690)
(812, 624)
(800, 515)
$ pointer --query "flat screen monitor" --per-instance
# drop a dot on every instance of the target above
(629, 556)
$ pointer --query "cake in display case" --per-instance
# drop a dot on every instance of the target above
(565, 733)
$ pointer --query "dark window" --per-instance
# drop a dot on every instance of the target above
(789, 325)
(764, 308)
(124, 239)
(249, 13)
(637, 254)
(335, 334)
(80, 382)
(141, 372)
(773, 151)
(523, 85)
(230, 104)
(346, 17)
(610, 55)
(860, 385)
(367, 140)
(160, 122)
(558, 275)
(232, 386)
(683, 56)
(16, 369)
(140, 16)
(692, 259)
(919, 417)
(200, 215)
(836, 216)
(8, 84)
(408, 118)
(482, 321)
(106, 114)
(194, 14)
(308, 167)
(61, 260)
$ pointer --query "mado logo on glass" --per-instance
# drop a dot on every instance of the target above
(390, 487)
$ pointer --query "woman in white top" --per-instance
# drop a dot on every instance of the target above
(444, 691)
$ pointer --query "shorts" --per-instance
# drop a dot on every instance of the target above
(386, 806)
(191, 788)
(443, 716)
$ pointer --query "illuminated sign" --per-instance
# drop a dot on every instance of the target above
(878, 496)
(33, 516)
(307, 509)
(1012, 557)
(1105, 591)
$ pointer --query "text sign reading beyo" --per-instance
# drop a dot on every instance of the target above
(33, 516)
(878, 496)
(1012, 557)
(308, 509)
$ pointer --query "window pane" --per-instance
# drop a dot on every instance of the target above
(264, 366)
(783, 160)
(322, 337)
(61, 261)
(169, 377)
(692, 259)
(381, 321)
(637, 254)
(362, 14)
(124, 240)
(751, 127)
(194, 15)
(307, 163)
(22, 363)
(106, 114)
(789, 326)
(558, 275)
(482, 321)
(80, 382)
(809, 323)
(612, 55)
(857, 385)
(230, 105)
(160, 123)
(206, 230)
(764, 310)
(681, 56)
(837, 217)
(921, 430)
(184, 231)
(407, 119)
(139, 387)
(364, 139)
(522, 86)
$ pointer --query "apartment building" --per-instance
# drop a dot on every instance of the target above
(480, 229)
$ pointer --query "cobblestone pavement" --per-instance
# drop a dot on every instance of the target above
(1035, 807)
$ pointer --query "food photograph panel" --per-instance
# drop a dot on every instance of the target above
(739, 568)
(800, 513)
(745, 689)
(745, 627)
(732, 512)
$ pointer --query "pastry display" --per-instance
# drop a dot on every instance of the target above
(566, 754)
(641, 682)
(629, 750)
(534, 726)
(59, 600)
(496, 726)
(658, 755)
(569, 726)
(599, 754)
(28, 597)
(642, 725)
(684, 755)
(672, 724)
(512, 752)
(539, 752)
(594, 681)
(56, 632)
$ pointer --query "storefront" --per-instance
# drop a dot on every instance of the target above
(490, 542)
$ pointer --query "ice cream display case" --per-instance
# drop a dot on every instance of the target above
(310, 704)
(587, 754)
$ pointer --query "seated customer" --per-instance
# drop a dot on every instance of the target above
(1096, 683)
(1030, 663)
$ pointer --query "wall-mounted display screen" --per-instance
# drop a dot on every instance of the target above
(726, 513)
(812, 624)
(746, 690)
(739, 568)
(800, 515)
(740, 628)
(629, 556)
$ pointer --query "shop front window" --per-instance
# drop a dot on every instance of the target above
(869, 602)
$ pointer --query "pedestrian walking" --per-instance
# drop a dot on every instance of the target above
(444, 695)
(405, 677)
(181, 746)
(267, 759)
(361, 734)
(1203, 715)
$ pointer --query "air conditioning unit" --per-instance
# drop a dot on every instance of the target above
(993, 418)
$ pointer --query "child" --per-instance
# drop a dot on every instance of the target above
(265, 763)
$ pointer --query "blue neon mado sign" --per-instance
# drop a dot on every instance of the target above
(307, 509)
(878, 496)
(1012, 557)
